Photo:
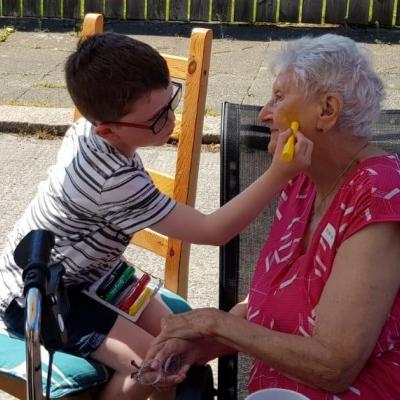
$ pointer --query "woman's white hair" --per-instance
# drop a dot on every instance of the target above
(336, 64)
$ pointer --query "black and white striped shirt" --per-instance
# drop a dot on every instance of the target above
(93, 200)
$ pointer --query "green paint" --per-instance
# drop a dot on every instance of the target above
(41, 8)
(209, 10)
(300, 16)
(323, 11)
(254, 16)
(145, 9)
(62, 8)
(189, 3)
(167, 4)
(394, 13)
(21, 8)
(82, 8)
(278, 10)
(232, 10)
(124, 9)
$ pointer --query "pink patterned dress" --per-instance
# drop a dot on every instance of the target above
(288, 284)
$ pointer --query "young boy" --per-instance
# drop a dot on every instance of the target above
(98, 195)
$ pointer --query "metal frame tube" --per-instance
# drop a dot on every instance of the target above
(33, 310)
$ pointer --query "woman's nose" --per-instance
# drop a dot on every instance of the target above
(265, 115)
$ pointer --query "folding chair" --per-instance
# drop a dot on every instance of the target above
(243, 159)
(193, 70)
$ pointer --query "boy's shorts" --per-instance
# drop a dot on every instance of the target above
(88, 322)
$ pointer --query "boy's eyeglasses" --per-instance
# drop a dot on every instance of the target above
(162, 117)
(151, 372)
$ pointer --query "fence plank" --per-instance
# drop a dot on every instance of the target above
(358, 12)
(52, 8)
(221, 10)
(114, 9)
(94, 6)
(156, 9)
(72, 9)
(312, 11)
(289, 11)
(266, 11)
(135, 9)
(31, 8)
(243, 10)
(199, 10)
(178, 10)
(11, 8)
(383, 12)
(335, 11)
(398, 14)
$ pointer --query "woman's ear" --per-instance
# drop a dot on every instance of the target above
(330, 108)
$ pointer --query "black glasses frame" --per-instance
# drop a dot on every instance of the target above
(157, 126)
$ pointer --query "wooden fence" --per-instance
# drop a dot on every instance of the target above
(364, 12)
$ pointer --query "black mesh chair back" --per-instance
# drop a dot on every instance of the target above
(244, 158)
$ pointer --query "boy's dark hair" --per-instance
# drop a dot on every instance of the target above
(109, 72)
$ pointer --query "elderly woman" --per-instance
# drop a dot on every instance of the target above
(323, 312)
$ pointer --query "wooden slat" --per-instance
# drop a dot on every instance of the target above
(72, 9)
(177, 66)
(52, 8)
(11, 8)
(156, 9)
(114, 9)
(289, 11)
(243, 11)
(398, 14)
(93, 6)
(383, 12)
(266, 11)
(135, 9)
(199, 10)
(189, 146)
(178, 10)
(358, 12)
(312, 11)
(164, 183)
(14, 386)
(31, 8)
(221, 10)
(93, 23)
(335, 11)
(152, 241)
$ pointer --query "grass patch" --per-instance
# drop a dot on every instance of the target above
(49, 85)
(5, 33)
(209, 112)
(41, 134)
(22, 103)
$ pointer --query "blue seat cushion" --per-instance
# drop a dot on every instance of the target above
(70, 374)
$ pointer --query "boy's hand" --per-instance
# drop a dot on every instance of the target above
(301, 159)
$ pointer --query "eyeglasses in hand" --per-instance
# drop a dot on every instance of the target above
(162, 117)
(152, 371)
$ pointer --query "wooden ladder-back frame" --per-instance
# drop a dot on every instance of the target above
(189, 130)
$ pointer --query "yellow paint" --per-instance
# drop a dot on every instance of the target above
(288, 149)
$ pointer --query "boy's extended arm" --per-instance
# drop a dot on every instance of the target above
(222, 225)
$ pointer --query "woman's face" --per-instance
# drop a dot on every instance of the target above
(288, 103)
